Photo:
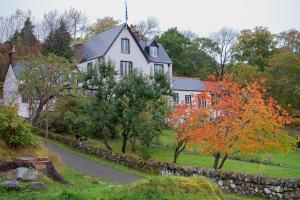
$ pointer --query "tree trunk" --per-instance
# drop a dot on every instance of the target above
(125, 138)
(180, 147)
(37, 114)
(217, 157)
(47, 123)
(222, 162)
(176, 154)
(107, 144)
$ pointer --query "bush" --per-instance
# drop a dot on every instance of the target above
(170, 187)
(13, 130)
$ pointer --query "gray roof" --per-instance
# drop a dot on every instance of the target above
(18, 68)
(162, 54)
(99, 44)
(188, 84)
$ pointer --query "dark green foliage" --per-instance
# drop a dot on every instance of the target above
(283, 75)
(176, 43)
(255, 47)
(202, 61)
(26, 36)
(63, 119)
(243, 73)
(100, 110)
(141, 107)
(13, 130)
(58, 42)
(187, 56)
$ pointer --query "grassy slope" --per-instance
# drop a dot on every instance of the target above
(290, 164)
(87, 187)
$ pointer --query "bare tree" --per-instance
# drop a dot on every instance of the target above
(220, 46)
(76, 21)
(225, 40)
(147, 29)
(49, 23)
(12, 23)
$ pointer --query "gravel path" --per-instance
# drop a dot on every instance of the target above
(91, 167)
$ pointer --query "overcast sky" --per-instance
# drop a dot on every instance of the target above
(200, 16)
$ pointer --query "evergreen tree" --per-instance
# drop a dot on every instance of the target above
(26, 36)
(58, 42)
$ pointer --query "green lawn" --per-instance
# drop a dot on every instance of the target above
(289, 164)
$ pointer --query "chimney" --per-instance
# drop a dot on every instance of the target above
(78, 48)
(12, 55)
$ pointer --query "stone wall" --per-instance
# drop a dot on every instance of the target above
(231, 181)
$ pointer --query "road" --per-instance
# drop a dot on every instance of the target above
(91, 167)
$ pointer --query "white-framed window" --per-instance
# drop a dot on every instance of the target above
(188, 99)
(153, 51)
(125, 48)
(176, 99)
(159, 68)
(125, 67)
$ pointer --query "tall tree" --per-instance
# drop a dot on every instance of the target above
(76, 22)
(9, 25)
(141, 108)
(220, 45)
(290, 40)
(255, 47)
(146, 29)
(235, 119)
(26, 36)
(176, 44)
(102, 25)
(58, 42)
(283, 74)
(42, 80)
(203, 63)
(101, 110)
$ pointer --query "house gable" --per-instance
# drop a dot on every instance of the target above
(10, 86)
(136, 54)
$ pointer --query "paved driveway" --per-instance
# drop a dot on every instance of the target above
(91, 167)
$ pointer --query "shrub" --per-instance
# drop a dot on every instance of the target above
(13, 130)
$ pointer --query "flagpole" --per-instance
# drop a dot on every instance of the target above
(126, 14)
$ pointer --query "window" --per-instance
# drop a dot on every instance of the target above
(125, 45)
(176, 99)
(89, 67)
(125, 67)
(188, 99)
(158, 68)
(153, 51)
(202, 103)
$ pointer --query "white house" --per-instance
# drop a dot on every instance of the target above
(120, 46)
(10, 89)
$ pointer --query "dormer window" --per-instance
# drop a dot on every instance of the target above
(125, 48)
(153, 51)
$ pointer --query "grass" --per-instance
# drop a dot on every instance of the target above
(289, 164)
(88, 187)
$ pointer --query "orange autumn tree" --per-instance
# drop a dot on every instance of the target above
(245, 120)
